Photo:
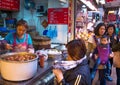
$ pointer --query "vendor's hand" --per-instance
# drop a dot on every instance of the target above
(8, 47)
(18, 46)
(58, 73)
(30, 50)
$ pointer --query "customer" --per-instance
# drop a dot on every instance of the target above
(102, 54)
(111, 33)
(19, 41)
(116, 28)
(116, 58)
(75, 70)
(99, 30)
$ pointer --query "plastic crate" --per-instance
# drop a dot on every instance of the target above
(3, 29)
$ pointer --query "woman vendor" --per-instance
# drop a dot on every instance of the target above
(19, 41)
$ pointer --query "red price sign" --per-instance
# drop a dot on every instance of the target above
(58, 15)
(112, 17)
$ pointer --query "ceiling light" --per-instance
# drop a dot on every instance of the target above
(97, 1)
(83, 6)
(111, 12)
(119, 12)
(63, 1)
(89, 4)
(102, 1)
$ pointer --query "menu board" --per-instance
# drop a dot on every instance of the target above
(58, 15)
(11, 5)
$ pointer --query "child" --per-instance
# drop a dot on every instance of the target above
(101, 54)
(75, 70)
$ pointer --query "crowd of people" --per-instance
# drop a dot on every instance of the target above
(102, 53)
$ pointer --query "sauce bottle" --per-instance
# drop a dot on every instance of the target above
(41, 61)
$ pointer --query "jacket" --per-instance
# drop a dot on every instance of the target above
(79, 75)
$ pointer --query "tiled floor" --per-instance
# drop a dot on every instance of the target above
(96, 81)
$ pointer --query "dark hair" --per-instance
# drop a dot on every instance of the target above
(76, 49)
(111, 25)
(22, 23)
(96, 29)
(104, 36)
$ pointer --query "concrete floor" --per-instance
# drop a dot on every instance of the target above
(96, 81)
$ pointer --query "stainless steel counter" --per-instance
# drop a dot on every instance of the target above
(33, 81)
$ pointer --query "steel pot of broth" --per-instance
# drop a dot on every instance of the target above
(18, 66)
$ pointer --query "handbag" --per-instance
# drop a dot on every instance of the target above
(116, 59)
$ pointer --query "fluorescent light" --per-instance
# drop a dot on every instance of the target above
(89, 4)
(111, 12)
(119, 12)
(102, 1)
(83, 6)
(97, 1)
(63, 1)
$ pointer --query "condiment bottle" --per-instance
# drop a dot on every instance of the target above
(41, 61)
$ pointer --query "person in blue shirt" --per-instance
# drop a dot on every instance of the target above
(19, 41)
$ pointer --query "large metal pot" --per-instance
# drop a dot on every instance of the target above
(18, 70)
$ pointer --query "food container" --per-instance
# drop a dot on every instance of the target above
(54, 54)
(42, 53)
(61, 48)
(41, 60)
(18, 70)
(41, 42)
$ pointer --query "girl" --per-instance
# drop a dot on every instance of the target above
(76, 69)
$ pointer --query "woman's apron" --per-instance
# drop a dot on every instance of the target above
(21, 47)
